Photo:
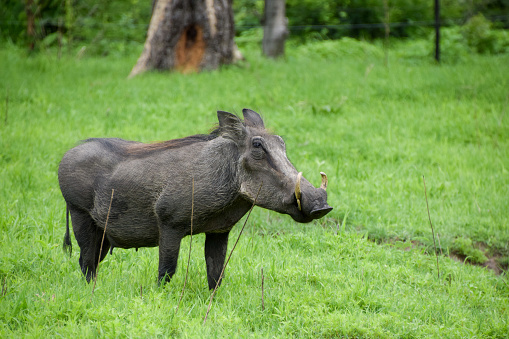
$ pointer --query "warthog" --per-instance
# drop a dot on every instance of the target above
(152, 184)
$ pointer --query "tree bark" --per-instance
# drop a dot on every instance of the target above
(29, 4)
(188, 36)
(275, 30)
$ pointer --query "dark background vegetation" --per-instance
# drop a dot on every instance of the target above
(106, 27)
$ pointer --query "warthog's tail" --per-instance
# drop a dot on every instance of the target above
(67, 239)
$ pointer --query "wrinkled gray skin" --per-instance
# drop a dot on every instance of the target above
(151, 204)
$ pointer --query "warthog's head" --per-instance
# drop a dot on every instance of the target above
(263, 161)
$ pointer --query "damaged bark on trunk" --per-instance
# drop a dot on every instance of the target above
(188, 36)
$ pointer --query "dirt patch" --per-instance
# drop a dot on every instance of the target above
(492, 258)
(492, 263)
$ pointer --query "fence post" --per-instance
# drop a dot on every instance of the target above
(387, 31)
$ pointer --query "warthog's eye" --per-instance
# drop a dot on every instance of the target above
(257, 143)
(258, 150)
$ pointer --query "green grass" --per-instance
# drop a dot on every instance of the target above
(374, 130)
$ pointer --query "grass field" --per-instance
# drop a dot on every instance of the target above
(363, 271)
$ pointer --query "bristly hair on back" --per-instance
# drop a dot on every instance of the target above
(149, 148)
(142, 148)
(134, 148)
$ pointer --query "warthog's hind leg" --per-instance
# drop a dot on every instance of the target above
(89, 239)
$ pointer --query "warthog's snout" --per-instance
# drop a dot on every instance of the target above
(312, 201)
(320, 212)
(324, 208)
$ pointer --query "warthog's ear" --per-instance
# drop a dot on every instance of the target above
(231, 125)
(252, 119)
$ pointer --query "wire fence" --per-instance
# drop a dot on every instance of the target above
(131, 30)
(426, 23)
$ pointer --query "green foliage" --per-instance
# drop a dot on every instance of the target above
(482, 38)
(362, 19)
(334, 49)
(453, 46)
(333, 19)
(102, 27)
(118, 27)
(12, 20)
(111, 26)
(374, 130)
(248, 14)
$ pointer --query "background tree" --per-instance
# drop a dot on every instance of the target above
(188, 35)
(29, 4)
(275, 28)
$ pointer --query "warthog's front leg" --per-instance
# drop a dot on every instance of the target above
(215, 252)
(169, 246)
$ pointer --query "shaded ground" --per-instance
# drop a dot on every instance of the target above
(494, 260)
(493, 263)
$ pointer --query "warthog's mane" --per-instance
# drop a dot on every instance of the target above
(140, 149)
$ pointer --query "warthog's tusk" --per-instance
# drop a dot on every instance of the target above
(325, 181)
(297, 191)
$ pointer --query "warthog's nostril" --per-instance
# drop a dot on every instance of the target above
(320, 212)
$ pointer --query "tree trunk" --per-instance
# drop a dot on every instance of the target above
(275, 29)
(29, 4)
(188, 35)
